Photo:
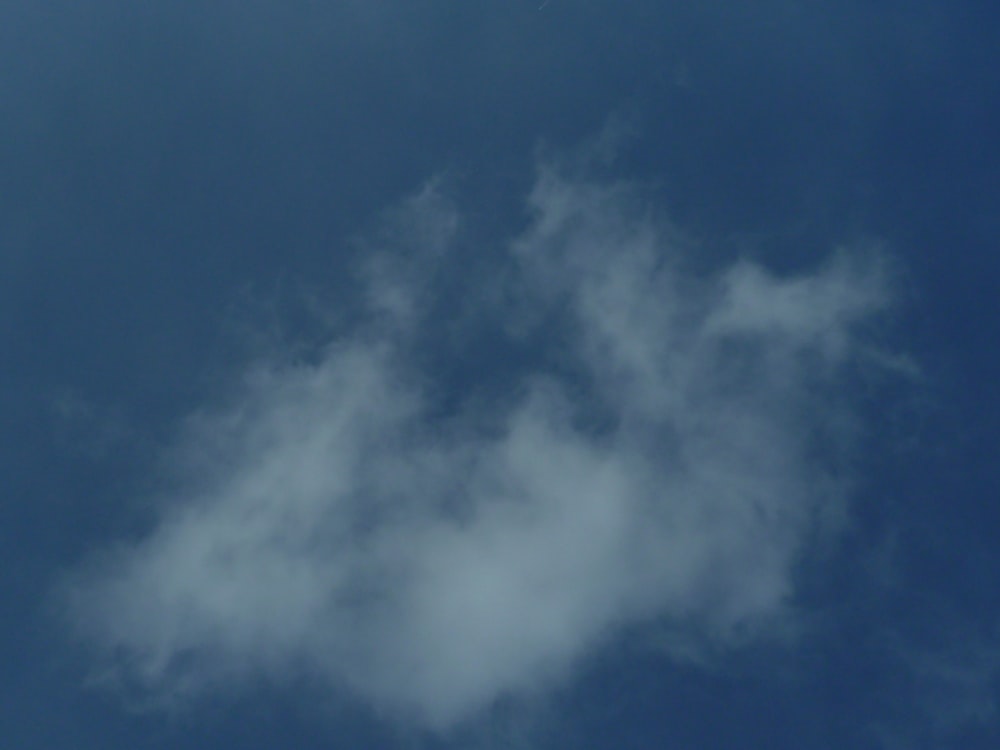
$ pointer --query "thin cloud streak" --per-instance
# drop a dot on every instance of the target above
(655, 464)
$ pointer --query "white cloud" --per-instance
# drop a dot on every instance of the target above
(655, 464)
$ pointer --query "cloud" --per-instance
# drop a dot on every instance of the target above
(648, 458)
(941, 685)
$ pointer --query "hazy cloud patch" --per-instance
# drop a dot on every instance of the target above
(653, 459)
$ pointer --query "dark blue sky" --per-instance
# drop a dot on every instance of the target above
(425, 260)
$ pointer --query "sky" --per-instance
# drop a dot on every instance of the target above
(428, 375)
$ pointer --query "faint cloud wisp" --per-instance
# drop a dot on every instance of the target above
(653, 460)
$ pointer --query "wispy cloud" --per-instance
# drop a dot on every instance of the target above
(941, 687)
(653, 458)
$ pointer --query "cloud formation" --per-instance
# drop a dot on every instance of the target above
(657, 455)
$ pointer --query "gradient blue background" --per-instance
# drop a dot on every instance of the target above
(165, 164)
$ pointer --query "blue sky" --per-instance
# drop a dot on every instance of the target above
(484, 375)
